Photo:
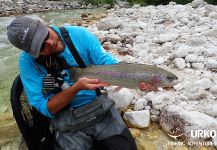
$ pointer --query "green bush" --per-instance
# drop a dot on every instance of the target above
(142, 2)
(96, 2)
(165, 2)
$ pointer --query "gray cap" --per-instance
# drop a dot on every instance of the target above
(27, 34)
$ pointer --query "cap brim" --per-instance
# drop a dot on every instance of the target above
(38, 39)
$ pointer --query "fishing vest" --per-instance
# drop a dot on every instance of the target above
(54, 81)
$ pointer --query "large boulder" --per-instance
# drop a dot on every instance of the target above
(122, 97)
(189, 126)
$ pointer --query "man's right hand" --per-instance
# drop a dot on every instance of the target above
(86, 83)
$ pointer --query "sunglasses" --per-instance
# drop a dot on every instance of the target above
(44, 42)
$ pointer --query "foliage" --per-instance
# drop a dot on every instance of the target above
(142, 2)
(165, 2)
(96, 2)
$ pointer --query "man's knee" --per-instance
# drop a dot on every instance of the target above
(124, 141)
(131, 144)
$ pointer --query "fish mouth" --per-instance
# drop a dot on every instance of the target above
(172, 80)
(170, 85)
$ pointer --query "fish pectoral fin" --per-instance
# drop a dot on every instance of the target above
(103, 91)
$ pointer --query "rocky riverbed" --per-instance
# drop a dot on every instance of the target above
(183, 40)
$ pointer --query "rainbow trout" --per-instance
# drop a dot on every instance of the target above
(126, 75)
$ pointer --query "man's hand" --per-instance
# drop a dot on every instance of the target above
(85, 83)
(58, 101)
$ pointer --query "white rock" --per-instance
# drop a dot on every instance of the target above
(155, 118)
(205, 83)
(139, 119)
(158, 61)
(172, 3)
(114, 38)
(162, 38)
(211, 64)
(179, 122)
(184, 20)
(211, 110)
(181, 51)
(139, 39)
(130, 11)
(191, 58)
(206, 74)
(196, 17)
(178, 87)
(213, 15)
(149, 96)
(195, 41)
(211, 33)
(147, 107)
(214, 140)
(136, 6)
(122, 98)
(198, 3)
(179, 63)
(140, 104)
(116, 7)
(160, 100)
(188, 65)
(108, 23)
(107, 45)
(162, 51)
(213, 90)
(195, 93)
(155, 112)
(210, 52)
(199, 66)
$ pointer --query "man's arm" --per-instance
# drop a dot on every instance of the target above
(95, 50)
(57, 102)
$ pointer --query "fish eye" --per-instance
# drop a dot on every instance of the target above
(171, 78)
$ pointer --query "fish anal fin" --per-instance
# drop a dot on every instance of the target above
(147, 87)
(154, 88)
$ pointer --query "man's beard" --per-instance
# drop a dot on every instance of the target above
(55, 52)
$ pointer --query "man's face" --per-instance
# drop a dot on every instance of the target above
(52, 44)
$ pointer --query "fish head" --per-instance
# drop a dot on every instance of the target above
(164, 79)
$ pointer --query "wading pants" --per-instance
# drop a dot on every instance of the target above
(110, 133)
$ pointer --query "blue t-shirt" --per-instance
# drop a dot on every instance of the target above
(91, 52)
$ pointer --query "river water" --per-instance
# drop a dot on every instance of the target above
(9, 54)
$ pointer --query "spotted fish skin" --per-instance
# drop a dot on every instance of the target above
(127, 75)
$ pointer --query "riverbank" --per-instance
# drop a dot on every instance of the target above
(181, 39)
(9, 7)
